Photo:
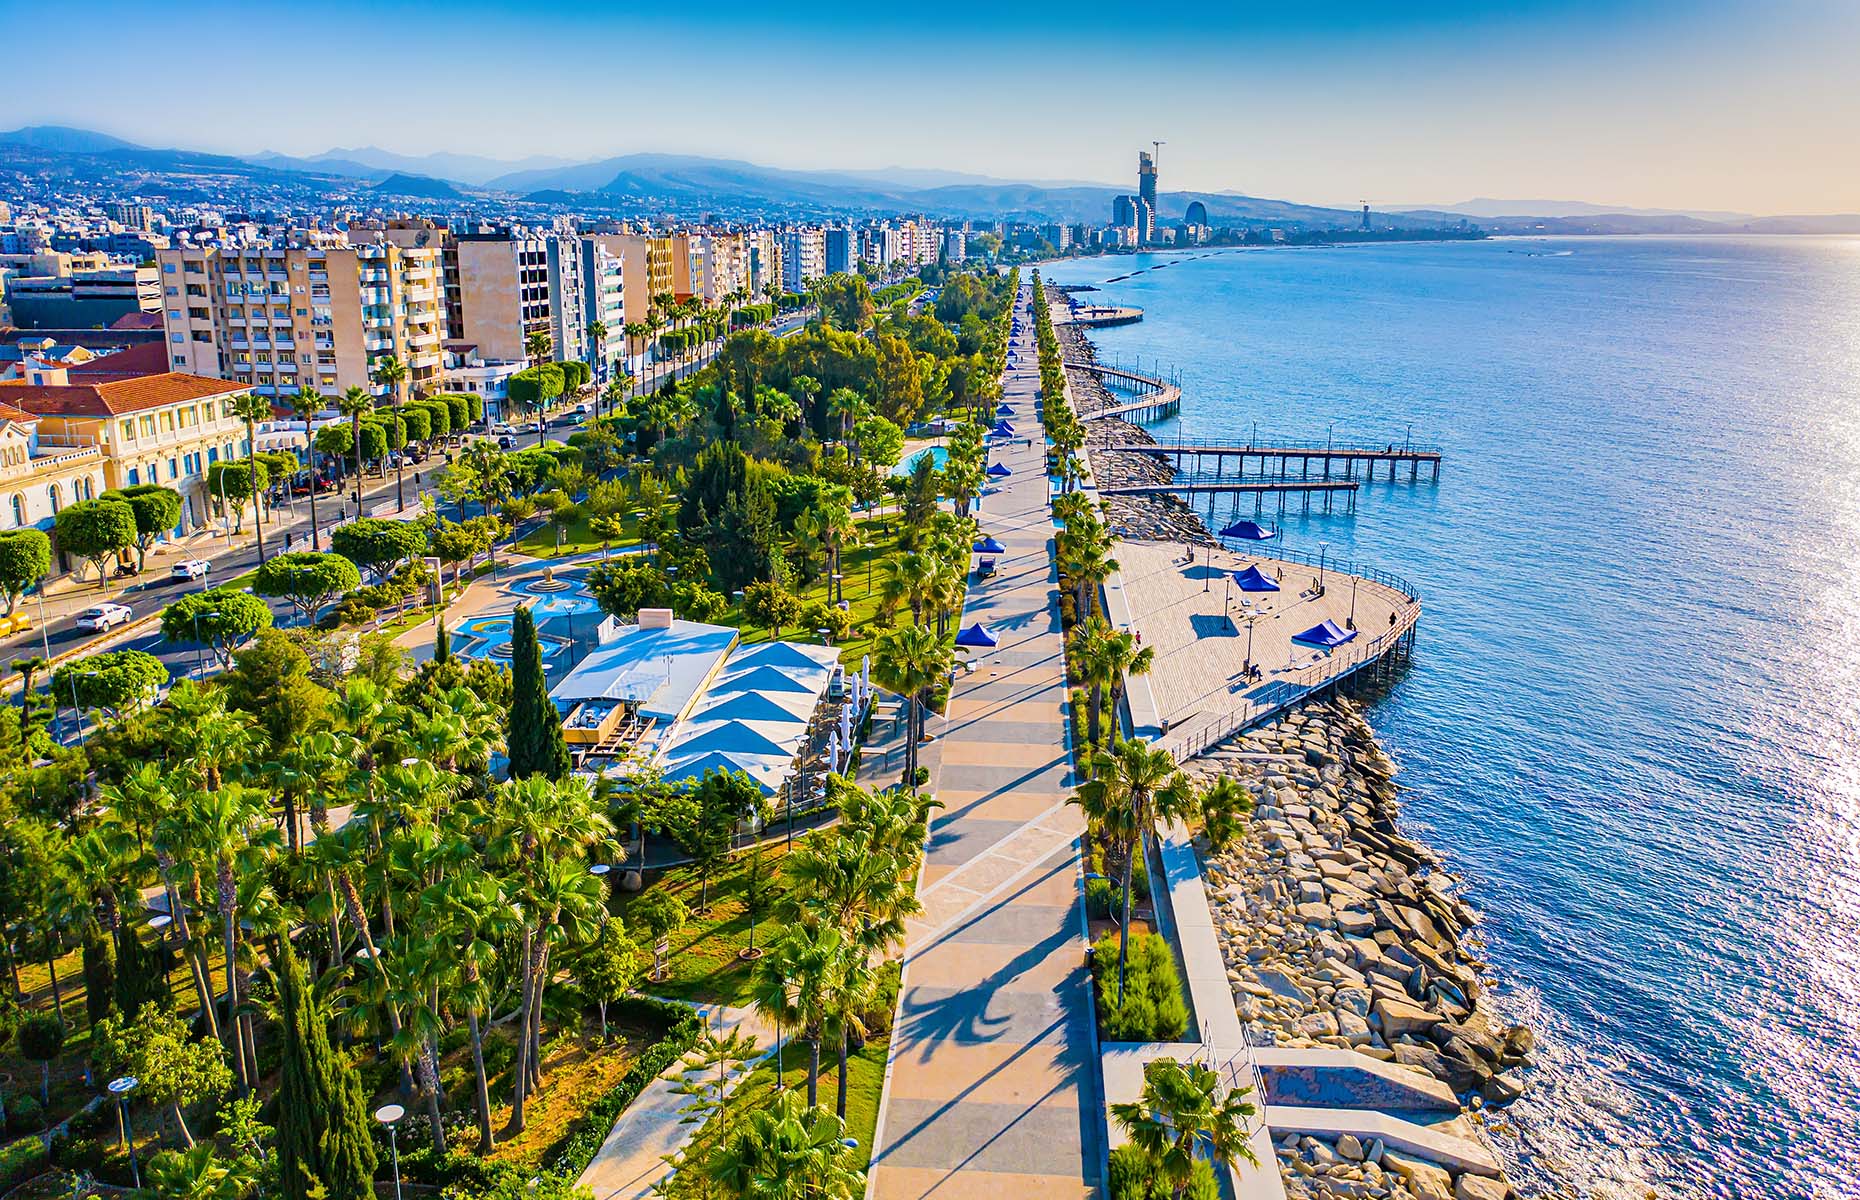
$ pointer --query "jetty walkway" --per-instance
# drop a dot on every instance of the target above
(1345, 458)
(1154, 396)
(991, 1086)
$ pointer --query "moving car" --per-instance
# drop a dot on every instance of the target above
(193, 568)
(102, 617)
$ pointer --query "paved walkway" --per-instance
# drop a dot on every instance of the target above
(632, 1159)
(991, 1088)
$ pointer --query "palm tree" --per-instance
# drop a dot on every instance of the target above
(1143, 780)
(1182, 1113)
(226, 831)
(1103, 657)
(635, 332)
(196, 1174)
(253, 408)
(355, 403)
(850, 990)
(775, 990)
(537, 346)
(597, 346)
(911, 662)
(393, 373)
(306, 404)
(787, 1151)
(810, 956)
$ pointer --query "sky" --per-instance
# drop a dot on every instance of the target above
(1735, 106)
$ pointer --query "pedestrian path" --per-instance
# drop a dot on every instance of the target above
(991, 1087)
(631, 1162)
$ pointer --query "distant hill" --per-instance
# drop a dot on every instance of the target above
(1485, 206)
(400, 184)
(372, 162)
(65, 140)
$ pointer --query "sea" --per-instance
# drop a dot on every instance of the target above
(1632, 721)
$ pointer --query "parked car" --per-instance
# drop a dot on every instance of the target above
(102, 617)
(193, 568)
(503, 441)
(502, 429)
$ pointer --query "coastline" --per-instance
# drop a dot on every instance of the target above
(1337, 931)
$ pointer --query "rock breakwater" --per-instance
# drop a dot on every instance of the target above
(1339, 931)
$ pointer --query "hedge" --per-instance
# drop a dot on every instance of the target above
(1153, 1008)
(1134, 1178)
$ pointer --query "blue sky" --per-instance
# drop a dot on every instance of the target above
(1731, 105)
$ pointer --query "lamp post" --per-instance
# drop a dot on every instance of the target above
(1353, 580)
(390, 1115)
(200, 647)
(1323, 550)
(121, 1089)
(1247, 667)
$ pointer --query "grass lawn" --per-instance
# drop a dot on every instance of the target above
(576, 539)
(702, 963)
(864, 571)
(865, 1072)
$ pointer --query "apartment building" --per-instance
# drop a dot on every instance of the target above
(505, 293)
(728, 266)
(840, 251)
(647, 270)
(603, 290)
(690, 266)
(803, 256)
(164, 428)
(765, 272)
(320, 315)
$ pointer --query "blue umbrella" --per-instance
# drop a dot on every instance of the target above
(999, 471)
(977, 637)
(988, 545)
(1004, 410)
(1004, 426)
(1248, 530)
(1252, 579)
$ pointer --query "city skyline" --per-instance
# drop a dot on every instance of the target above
(1643, 106)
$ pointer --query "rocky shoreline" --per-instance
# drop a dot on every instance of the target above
(1336, 929)
(1339, 931)
(1150, 518)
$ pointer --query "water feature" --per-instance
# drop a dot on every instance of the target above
(1633, 718)
(938, 455)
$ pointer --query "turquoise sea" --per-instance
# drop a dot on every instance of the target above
(1632, 723)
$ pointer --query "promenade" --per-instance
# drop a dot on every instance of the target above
(991, 1088)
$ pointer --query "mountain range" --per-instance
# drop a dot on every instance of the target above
(658, 183)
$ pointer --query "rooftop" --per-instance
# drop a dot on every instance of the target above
(115, 397)
(659, 670)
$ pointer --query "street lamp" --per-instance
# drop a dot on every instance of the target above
(200, 648)
(1353, 580)
(390, 1115)
(121, 1089)
(1323, 549)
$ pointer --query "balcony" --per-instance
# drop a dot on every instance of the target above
(421, 295)
(374, 295)
(419, 274)
(243, 367)
(374, 275)
(419, 339)
(377, 343)
(319, 277)
(280, 318)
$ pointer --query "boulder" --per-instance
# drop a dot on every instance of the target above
(1349, 1147)
(1424, 1179)
(1353, 1027)
(1504, 1087)
(1281, 984)
(1399, 1017)
(1478, 1187)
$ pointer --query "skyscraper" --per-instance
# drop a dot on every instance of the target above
(1146, 197)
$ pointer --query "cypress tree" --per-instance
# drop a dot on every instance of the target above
(99, 973)
(442, 641)
(325, 1147)
(140, 977)
(535, 741)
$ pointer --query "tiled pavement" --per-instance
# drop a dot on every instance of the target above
(991, 1089)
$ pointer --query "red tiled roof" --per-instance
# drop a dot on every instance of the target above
(150, 358)
(137, 320)
(9, 413)
(115, 397)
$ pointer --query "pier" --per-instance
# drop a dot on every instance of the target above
(1332, 460)
(1103, 316)
(1259, 488)
(1153, 395)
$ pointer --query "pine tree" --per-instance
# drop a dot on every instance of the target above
(325, 1146)
(99, 972)
(535, 735)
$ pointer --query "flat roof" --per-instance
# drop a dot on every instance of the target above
(659, 670)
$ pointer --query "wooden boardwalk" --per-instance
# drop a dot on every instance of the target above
(1331, 460)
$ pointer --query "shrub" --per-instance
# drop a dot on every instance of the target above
(1133, 1178)
(23, 1114)
(1153, 1009)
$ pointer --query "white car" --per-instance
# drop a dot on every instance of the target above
(102, 617)
(193, 568)
(502, 429)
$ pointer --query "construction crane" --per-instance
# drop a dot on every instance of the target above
(1159, 146)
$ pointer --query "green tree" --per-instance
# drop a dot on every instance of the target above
(705, 1075)
(96, 531)
(707, 827)
(392, 373)
(535, 741)
(224, 618)
(769, 603)
(116, 681)
(787, 1151)
(41, 1040)
(354, 403)
(25, 558)
(913, 662)
(304, 405)
(325, 1146)
(608, 967)
(158, 511)
(1103, 658)
(1140, 785)
(99, 972)
(230, 484)
(379, 545)
(253, 408)
(1183, 1113)
(306, 578)
(625, 585)
(175, 1071)
(660, 913)
(270, 679)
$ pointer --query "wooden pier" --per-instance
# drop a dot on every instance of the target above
(1316, 460)
(1259, 488)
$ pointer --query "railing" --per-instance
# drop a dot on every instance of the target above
(1256, 445)
(1343, 566)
